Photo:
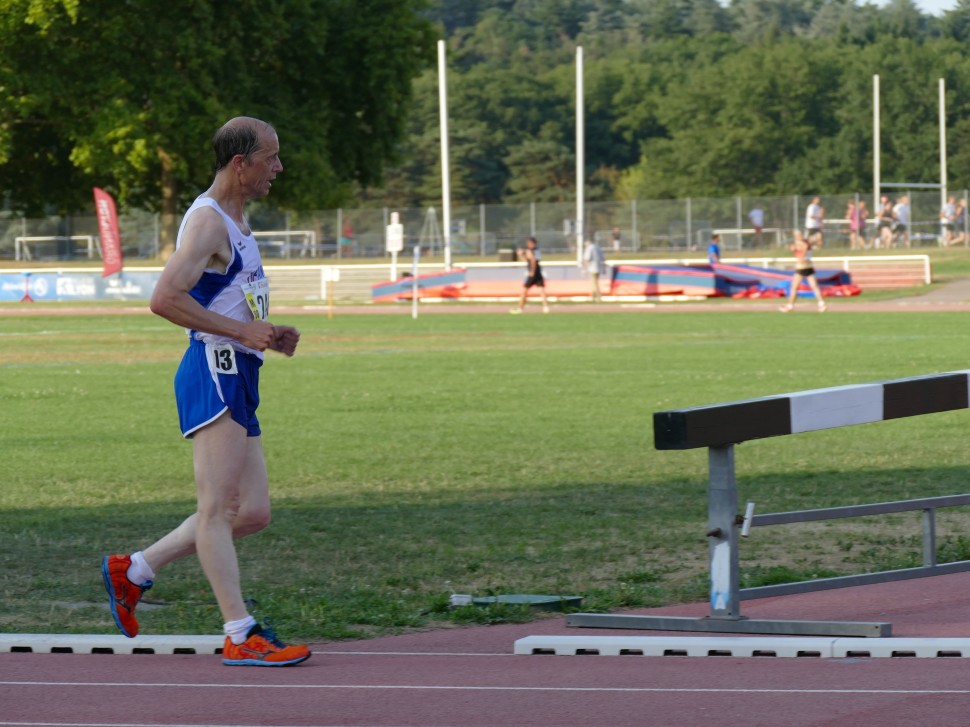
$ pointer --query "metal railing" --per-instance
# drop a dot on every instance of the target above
(930, 567)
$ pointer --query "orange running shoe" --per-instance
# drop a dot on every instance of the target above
(123, 595)
(262, 648)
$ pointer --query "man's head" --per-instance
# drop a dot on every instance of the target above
(531, 243)
(250, 148)
(240, 135)
(715, 237)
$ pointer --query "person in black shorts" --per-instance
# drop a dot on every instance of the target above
(533, 277)
(804, 270)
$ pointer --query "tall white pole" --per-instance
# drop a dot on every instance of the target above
(875, 145)
(580, 159)
(943, 194)
(445, 178)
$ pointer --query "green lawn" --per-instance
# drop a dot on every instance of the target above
(458, 453)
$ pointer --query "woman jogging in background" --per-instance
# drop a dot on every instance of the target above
(802, 250)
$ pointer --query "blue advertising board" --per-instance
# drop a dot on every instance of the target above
(77, 285)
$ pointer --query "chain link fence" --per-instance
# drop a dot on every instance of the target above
(493, 231)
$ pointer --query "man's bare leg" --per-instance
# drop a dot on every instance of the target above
(233, 502)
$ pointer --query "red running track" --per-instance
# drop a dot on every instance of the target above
(468, 677)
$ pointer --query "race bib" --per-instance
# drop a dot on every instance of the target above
(257, 296)
(224, 358)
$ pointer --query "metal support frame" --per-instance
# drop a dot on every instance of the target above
(723, 524)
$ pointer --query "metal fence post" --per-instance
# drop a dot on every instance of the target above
(929, 536)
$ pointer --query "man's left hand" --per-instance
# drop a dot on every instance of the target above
(285, 340)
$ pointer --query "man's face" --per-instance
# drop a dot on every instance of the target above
(263, 165)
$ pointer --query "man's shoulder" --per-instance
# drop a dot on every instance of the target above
(205, 219)
(205, 230)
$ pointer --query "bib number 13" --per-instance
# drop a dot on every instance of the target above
(224, 358)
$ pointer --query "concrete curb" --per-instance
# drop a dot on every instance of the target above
(106, 644)
(743, 646)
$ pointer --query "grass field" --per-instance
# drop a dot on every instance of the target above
(462, 453)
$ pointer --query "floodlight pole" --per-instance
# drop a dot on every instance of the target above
(580, 159)
(876, 189)
(445, 178)
(943, 192)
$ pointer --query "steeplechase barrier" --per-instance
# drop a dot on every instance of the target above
(721, 426)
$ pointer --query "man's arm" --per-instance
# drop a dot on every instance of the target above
(205, 240)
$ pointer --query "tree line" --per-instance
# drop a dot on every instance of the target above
(683, 97)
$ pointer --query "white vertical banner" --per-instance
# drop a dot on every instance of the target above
(394, 241)
(580, 159)
(445, 177)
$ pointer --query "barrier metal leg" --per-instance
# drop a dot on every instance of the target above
(723, 522)
(722, 533)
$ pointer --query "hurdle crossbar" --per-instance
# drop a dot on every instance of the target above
(720, 426)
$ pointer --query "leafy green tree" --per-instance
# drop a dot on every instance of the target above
(761, 20)
(731, 125)
(956, 22)
(128, 94)
(541, 169)
(901, 18)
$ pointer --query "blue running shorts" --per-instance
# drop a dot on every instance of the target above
(212, 379)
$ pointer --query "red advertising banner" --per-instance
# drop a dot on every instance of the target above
(104, 205)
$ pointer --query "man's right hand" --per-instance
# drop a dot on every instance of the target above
(257, 335)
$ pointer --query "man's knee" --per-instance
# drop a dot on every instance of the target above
(251, 520)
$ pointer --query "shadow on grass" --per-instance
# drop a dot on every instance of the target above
(333, 568)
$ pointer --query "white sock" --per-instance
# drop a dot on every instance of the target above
(139, 572)
(237, 630)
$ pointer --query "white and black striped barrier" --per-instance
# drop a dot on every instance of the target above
(806, 411)
(720, 426)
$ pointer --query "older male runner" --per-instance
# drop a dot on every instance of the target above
(214, 286)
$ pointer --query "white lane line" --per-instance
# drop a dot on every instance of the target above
(151, 724)
(473, 688)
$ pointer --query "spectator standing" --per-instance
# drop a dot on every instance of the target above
(814, 221)
(856, 214)
(948, 216)
(714, 249)
(887, 220)
(594, 263)
(346, 242)
(862, 210)
(901, 215)
(616, 236)
(757, 218)
(960, 223)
